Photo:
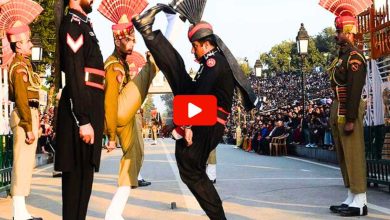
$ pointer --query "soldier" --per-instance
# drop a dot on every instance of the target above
(217, 65)
(348, 74)
(24, 87)
(124, 94)
(81, 109)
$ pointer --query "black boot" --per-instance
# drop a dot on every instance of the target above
(144, 22)
(143, 182)
(338, 208)
(353, 211)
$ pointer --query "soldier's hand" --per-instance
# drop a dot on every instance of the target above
(87, 134)
(30, 138)
(111, 145)
(348, 128)
(188, 136)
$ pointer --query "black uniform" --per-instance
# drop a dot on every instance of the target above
(214, 78)
(82, 102)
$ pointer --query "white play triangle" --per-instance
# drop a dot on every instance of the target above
(193, 110)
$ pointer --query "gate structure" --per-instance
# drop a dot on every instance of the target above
(374, 40)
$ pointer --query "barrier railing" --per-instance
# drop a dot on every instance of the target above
(6, 157)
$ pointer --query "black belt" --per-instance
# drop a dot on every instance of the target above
(33, 104)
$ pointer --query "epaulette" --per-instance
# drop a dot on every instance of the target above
(77, 19)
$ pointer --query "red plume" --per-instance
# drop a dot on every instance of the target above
(113, 10)
(346, 7)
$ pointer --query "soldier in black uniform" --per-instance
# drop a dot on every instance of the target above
(81, 109)
(218, 75)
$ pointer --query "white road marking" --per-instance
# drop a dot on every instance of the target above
(43, 168)
(259, 167)
(190, 201)
(319, 164)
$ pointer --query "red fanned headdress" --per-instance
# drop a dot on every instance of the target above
(136, 61)
(15, 16)
(120, 13)
(346, 12)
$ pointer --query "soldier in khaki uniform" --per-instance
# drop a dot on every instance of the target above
(123, 98)
(348, 74)
(24, 87)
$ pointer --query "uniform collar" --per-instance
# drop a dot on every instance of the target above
(211, 53)
(79, 15)
(345, 48)
(22, 57)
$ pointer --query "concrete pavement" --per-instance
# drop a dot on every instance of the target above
(251, 187)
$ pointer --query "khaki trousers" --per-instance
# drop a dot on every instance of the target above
(130, 135)
(23, 155)
(350, 150)
(212, 157)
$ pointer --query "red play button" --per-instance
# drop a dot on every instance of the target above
(195, 110)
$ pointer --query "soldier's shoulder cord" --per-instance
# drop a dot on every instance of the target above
(359, 54)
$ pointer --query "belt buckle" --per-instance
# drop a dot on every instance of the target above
(86, 76)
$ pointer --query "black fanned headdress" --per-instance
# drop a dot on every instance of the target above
(192, 10)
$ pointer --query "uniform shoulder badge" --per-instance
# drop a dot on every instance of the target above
(75, 44)
(119, 77)
(355, 65)
(211, 62)
(24, 72)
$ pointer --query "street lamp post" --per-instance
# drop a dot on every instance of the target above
(302, 45)
(37, 49)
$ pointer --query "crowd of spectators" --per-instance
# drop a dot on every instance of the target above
(46, 132)
(282, 113)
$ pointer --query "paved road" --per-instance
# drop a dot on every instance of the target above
(251, 187)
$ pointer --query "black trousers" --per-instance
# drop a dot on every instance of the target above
(77, 186)
(191, 162)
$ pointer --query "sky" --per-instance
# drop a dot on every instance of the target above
(248, 27)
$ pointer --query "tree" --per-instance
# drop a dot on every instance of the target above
(148, 107)
(325, 41)
(44, 27)
(284, 58)
(168, 100)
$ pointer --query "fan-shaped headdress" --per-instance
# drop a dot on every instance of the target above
(346, 12)
(120, 13)
(193, 11)
(2, 2)
(136, 61)
(15, 16)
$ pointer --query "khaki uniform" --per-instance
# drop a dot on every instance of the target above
(212, 157)
(24, 87)
(123, 97)
(348, 75)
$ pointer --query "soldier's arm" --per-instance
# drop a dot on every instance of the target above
(20, 77)
(170, 62)
(111, 93)
(73, 62)
(356, 78)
